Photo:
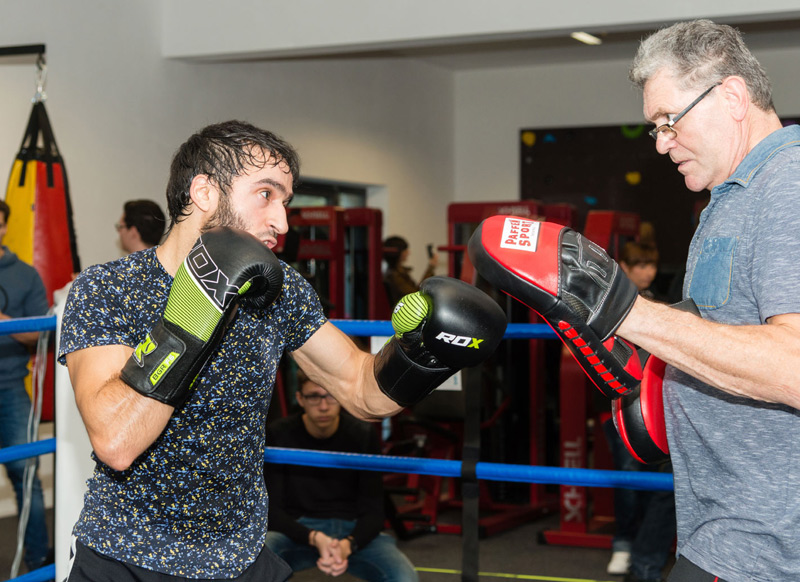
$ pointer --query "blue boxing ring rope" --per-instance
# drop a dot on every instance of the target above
(412, 465)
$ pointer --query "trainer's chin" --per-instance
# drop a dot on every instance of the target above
(694, 185)
(693, 182)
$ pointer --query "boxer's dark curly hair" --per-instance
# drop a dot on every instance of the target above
(222, 152)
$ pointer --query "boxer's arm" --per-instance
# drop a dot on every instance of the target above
(121, 423)
(332, 360)
(755, 361)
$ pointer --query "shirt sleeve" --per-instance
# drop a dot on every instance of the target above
(93, 315)
(776, 244)
(300, 309)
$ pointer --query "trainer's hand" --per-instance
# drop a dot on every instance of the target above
(572, 283)
(225, 268)
(445, 326)
(639, 416)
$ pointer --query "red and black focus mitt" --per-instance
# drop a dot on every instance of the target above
(572, 283)
(639, 416)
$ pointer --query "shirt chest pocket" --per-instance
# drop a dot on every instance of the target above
(710, 285)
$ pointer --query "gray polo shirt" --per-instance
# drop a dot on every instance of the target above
(737, 461)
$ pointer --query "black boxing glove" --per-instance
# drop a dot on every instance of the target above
(225, 267)
(446, 326)
(572, 283)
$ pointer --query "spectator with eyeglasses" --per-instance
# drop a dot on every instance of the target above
(331, 519)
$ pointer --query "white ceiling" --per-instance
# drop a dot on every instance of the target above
(562, 48)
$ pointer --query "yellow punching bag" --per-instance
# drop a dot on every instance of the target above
(40, 229)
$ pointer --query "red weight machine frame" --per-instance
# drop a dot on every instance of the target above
(332, 234)
(463, 219)
(337, 245)
(587, 513)
(370, 220)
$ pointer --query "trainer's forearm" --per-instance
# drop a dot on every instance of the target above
(755, 361)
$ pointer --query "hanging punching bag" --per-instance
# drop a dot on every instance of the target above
(40, 230)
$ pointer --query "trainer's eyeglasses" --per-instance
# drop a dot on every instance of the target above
(316, 399)
(666, 129)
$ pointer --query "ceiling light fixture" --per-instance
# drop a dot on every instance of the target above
(586, 38)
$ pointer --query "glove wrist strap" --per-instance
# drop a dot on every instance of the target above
(404, 380)
(164, 365)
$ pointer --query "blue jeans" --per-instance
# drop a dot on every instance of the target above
(15, 407)
(653, 543)
(627, 502)
(645, 520)
(378, 561)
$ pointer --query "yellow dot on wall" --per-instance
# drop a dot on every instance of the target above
(528, 138)
(633, 178)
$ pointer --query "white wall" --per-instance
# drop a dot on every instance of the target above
(424, 136)
(119, 110)
(491, 106)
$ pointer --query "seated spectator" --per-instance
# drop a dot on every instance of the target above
(330, 519)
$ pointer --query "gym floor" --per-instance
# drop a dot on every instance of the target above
(514, 554)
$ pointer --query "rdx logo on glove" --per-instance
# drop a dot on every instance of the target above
(459, 340)
(144, 348)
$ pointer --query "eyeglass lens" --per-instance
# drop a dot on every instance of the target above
(315, 399)
(666, 129)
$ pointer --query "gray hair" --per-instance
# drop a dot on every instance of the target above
(700, 53)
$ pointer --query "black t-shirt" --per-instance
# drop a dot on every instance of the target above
(319, 492)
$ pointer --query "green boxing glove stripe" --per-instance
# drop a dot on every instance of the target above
(190, 308)
(224, 267)
(161, 355)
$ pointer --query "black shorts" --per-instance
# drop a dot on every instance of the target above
(86, 565)
(686, 571)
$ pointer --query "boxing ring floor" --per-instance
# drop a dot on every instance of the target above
(516, 554)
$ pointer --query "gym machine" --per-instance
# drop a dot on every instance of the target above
(587, 514)
(512, 393)
(339, 251)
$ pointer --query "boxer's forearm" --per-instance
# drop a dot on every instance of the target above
(120, 422)
(333, 361)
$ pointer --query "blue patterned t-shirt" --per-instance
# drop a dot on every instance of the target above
(194, 504)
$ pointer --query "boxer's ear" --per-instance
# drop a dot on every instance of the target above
(204, 194)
